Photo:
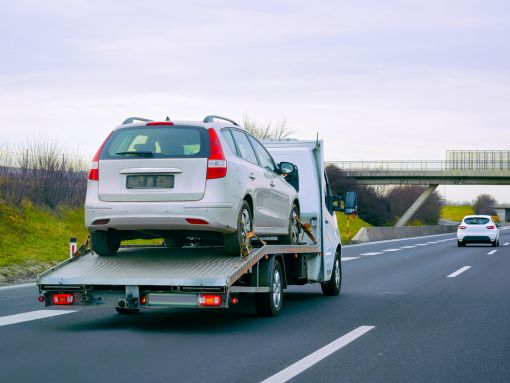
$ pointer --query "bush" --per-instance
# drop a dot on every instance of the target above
(484, 204)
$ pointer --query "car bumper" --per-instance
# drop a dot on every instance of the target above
(477, 237)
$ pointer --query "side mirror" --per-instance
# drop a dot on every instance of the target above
(350, 203)
(286, 168)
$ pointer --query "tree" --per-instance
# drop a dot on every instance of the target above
(270, 130)
(484, 204)
(402, 197)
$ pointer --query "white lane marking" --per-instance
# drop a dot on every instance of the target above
(459, 271)
(432, 242)
(10, 287)
(506, 244)
(491, 252)
(373, 253)
(345, 259)
(315, 357)
(32, 315)
(421, 244)
(423, 237)
(392, 250)
(408, 247)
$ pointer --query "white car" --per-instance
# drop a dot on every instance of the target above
(478, 229)
(175, 180)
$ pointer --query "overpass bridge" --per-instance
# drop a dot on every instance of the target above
(427, 173)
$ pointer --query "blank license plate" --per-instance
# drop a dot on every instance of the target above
(150, 181)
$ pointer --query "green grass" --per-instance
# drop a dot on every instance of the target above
(33, 238)
(456, 212)
(355, 224)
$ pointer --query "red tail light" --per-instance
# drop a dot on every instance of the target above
(462, 227)
(152, 123)
(94, 165)
(216, 165)
(63, 299)
(209, 300)
(197, 221)
(491, 227)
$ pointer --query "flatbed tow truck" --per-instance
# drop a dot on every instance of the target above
(204, 277)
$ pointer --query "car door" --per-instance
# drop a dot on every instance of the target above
(278, 204)
(253, 175)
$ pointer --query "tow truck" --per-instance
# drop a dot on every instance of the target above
(149, 277)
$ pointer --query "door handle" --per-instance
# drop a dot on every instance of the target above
(252, 176)
(271, 183)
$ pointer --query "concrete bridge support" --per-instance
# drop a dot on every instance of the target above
(406, 217)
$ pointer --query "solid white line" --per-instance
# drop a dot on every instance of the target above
(459, 271)
(491, 252)
(17, 286)
(345, 259)
(32, 315)
(506, 244)
(400, 239)
(392, 250)
(372, 253)
(408, 247)
(310, 360)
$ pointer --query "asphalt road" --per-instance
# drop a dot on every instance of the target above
(430, 318)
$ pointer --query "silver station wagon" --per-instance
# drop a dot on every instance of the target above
(207, 181)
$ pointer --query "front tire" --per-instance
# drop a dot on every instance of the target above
(332, 287)
(270, 304)
(292, 238)
(233, 241)
(103, 243)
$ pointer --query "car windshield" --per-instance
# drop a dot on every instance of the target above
(476, 220)
(157, 142)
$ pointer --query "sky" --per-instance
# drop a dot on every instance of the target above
(376, 80)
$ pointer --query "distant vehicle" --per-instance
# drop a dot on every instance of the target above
(209, 180)
(478, 229)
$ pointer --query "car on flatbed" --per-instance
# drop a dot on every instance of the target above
(478, 229)
(208, 180)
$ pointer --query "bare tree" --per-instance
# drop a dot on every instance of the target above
(402, 197)
(270, 130)
(484, 204)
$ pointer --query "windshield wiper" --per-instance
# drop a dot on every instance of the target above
(139, 154)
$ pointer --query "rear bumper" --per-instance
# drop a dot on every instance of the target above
(221, 216)
(477, 238)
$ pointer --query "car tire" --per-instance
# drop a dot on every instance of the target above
(494, 243)
(292, 238)
(270, 304)
(232, 242)
(126, 311)
(175, 241)
(332, 287)
(460, 244)
(104, 243)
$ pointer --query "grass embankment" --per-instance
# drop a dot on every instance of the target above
(32, 238)
(456, 212)
(355, 224)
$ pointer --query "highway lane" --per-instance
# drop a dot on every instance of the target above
(427, 327)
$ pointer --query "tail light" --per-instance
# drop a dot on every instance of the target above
(216, 164)
(462, 227)
(153, 123)
(94, 165)
(63, 299)
(491, 227)
(209, 300)
(197, 221)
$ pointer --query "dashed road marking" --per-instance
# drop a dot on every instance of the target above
(315, 357)
(372, 253)
(390, 250)
(506, 244)
(408, 247)
(421, 244)
(459, 271)
(491, 252)
(345, 259)
(32, 315)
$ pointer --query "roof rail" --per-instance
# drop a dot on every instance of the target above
(130, 120)
(212, 117)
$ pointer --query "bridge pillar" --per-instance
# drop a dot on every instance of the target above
(406, 217)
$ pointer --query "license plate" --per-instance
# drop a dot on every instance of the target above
(150, 181)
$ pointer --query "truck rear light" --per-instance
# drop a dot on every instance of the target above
(143, 300)
(216, 164)
(94, 165)
(152, 123)
(41, 298)
(197, 221)
(462, 227)
(491, 227)
(209, 300)
(63, 299)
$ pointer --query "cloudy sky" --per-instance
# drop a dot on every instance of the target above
(392, 80)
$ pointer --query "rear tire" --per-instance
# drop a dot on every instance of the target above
(332, 287)
(125, 311)
(494, 243)
(270, 304)
(460, 244)
(292, 238)
(232, 242)
(104, 243)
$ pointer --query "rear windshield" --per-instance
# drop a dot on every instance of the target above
(476, 221)
(157, 142)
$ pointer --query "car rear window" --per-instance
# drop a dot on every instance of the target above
(157, 142)
(476, 221)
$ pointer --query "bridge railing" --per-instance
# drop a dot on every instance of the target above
(420, 165)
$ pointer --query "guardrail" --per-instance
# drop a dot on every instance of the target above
(420, 165)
